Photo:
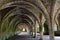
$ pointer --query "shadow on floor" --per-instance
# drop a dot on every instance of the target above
(22, 37)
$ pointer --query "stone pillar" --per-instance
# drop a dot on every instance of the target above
(51, 19)
(51, 31)
(32, 31)
(0, 25)
(41, 31)
(41, 27)
(35, 30)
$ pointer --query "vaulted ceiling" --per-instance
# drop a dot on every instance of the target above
(14, 12)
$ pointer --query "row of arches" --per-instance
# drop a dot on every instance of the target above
(28, 12)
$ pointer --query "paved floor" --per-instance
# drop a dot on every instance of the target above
(26, 36)
(22, 37)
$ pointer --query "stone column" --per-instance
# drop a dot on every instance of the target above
(41, 31)
(32, 31)
(0, 25)
(51, 19)
(41, 28)
(35, 30)
(51, 31)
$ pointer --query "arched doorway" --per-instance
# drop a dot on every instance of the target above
(46, 30)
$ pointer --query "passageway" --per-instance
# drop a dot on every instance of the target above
(29, 19)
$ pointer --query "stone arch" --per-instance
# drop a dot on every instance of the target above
(43, 8)
(56, 16)
(56, 8)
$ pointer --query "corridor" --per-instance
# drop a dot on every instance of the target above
(29, 19)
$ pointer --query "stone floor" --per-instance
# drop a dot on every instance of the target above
(26, 36)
